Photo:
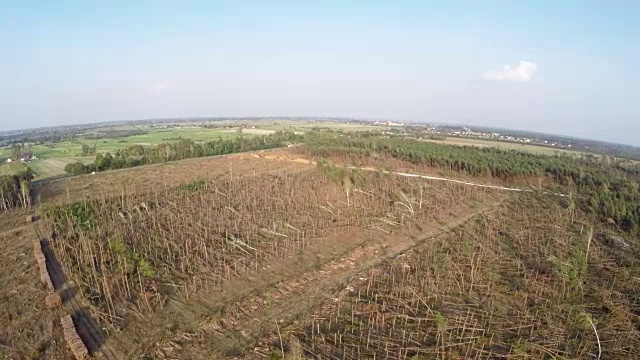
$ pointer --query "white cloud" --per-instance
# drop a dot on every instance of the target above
(159, 86)
(521, 72)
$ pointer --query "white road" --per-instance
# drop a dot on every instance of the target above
(436, 178)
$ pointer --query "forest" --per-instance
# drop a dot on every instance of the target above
(604, 187)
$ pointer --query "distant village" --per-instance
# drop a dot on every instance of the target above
(23, 159)
(466, 132)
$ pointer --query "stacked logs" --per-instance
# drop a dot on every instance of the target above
(42, 267)
(54, 300)
(74, 342)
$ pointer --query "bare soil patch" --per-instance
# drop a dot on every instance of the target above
(29, 330)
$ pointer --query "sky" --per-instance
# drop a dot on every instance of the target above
(564, 67)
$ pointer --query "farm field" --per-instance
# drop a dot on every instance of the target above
(53, 157)
(534, 149)
(72, 149)
(54, 167)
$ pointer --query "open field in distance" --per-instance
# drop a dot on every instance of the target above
(53, 167)
(53, 157)
(535, 149)
(307, 125)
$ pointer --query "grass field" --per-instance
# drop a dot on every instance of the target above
(154, 137)
(71, 149)
(48, 168)
(535, 149)
(11, 168)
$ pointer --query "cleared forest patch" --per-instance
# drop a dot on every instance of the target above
(156, 177)
(278, 253)
(530, 280)
(135, 254)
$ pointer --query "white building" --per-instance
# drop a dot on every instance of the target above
(9, 160)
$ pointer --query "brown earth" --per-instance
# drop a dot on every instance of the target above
(28, 329)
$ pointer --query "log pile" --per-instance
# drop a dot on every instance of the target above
(74, 342)
(42, 267)
(53, 301)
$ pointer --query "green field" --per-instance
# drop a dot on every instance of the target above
(53, 157)
(48, 168)
(535, 149)
(74, 148)
(154, 137)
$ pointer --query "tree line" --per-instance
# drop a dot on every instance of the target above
(15, 190)
(608, 188)
(137, 155)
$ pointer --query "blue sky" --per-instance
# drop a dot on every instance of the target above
(568, 67)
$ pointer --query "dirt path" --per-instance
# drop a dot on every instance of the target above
(228, 322)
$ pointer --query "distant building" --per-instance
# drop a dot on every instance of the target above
(27, 158)
(9, 160)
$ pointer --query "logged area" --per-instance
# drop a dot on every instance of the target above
(339, 246)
